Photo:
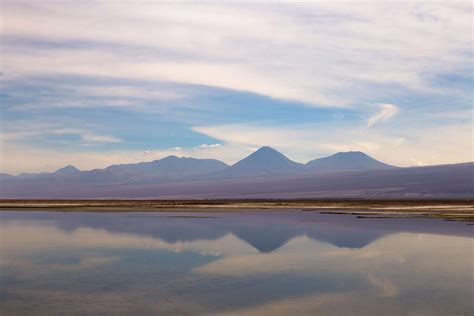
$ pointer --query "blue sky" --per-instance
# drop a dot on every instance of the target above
(103, 82)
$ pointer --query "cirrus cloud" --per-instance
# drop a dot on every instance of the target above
(307, 52)
(385, 112)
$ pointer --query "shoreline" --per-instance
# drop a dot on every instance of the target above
(462, 210)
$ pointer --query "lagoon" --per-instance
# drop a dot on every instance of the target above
(239, 262)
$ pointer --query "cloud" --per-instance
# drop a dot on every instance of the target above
(85, 263)
(58, 103)
(303, 142)
(306, 52)
(229, 258)
(386, 112)
(20, 237)
(100, 55)
(386, 287)
(209, 146)
(128, 91)
(45, 131)
(91, 137)
(15, 157)
(300, 142)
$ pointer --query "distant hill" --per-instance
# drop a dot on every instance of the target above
(266, 173)
(67, 170)
(263, 162)
(166, 169)
(346, 161)
(171, 166)
(447, 181)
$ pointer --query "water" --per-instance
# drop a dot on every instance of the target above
(235, 263)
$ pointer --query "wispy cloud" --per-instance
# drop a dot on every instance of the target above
(209, 146)
(18, 159)
(57, 103)
(129, 92)
(306, 52)
(44, 131)
(91, 137)
(303, 142)
(189, 83)
(385, 112)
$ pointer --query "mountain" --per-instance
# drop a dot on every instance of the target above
(26, 175)
(168, 168)
(66, 171)
(346, 161)
(171, 167)
(266, 173)
(6, 176)
(446, 181)
(263, 162)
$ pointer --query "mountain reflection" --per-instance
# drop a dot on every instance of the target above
(263, 232)
(232, 263)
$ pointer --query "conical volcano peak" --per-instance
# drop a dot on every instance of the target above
(267, 151)
(265, 154)
(264, 161)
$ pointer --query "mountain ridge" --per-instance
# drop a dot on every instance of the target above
(266, 161)
(444, 181)
(266, 173)
(346, 161)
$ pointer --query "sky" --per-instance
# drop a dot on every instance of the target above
(95, 83)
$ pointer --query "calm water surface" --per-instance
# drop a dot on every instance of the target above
(235, 263)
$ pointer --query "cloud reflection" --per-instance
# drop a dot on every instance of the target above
(132, 273)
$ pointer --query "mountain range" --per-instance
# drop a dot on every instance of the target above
(344, 174)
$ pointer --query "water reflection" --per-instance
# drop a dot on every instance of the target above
(285, 263)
